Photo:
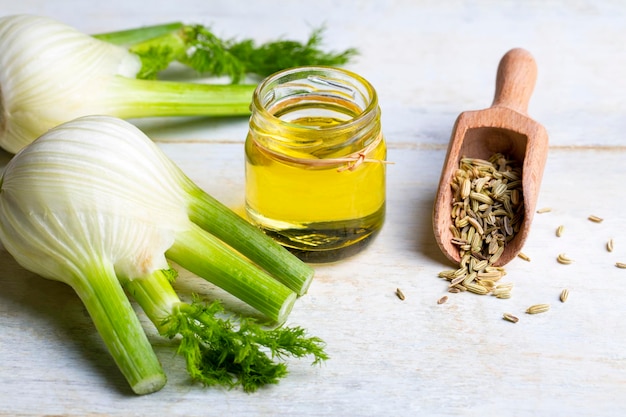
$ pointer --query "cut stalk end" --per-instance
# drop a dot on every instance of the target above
(149, 385)
(208, 257)
(247, 239)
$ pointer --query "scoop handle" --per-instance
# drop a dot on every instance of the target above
(515, 81)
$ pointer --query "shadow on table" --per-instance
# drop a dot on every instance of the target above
(413, 185)
(53, 311)
(425, 242)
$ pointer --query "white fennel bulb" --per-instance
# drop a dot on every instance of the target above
(45, 81)
(51, 73)
(96, 204)
(124, 209)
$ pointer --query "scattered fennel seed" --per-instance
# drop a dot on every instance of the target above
(544, 210)
(595, 219)
(523, 256)
(564, 295)
(400, 294)
(510, 317)
(442, 299)
(559, 231)
(563, 259)
(505, 286)
(621, 265)
(609, 245)
(538, 308)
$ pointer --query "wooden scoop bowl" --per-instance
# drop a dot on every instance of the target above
(505, 128)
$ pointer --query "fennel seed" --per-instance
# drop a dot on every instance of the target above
(501, 292)
(564, 295)
(559, 231)
(480, 265)
(466, 188)
(476, 288)
(457, 280)
(492, 276)
(400, 294)
(442, 299)
(493, 247)
(447, 274)
(544, 210)
(609, 245)
(494, 258)
(480, 197)
(515, 195)
(595, 219)
(621, 265)
(469, 278)
(460, 272)
(510, 317)
(563, 259)
(487, 283)
(538, 308)
(477, 226)
(523, 256)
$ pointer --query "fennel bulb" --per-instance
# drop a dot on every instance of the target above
(95, 203)
(51, 73)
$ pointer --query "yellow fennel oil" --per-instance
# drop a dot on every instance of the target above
(315, 162)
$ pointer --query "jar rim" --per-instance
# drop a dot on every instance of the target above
(264, 87)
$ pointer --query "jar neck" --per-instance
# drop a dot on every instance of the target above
(315, 112)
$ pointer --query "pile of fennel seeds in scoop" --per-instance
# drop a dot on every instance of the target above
(487, 209)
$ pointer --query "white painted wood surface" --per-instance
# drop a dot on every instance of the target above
(429, 60)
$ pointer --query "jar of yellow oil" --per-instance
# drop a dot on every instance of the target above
(315, 162)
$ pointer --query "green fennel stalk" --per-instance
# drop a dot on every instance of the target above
(137, 98)
(133, 36)
(119, 327)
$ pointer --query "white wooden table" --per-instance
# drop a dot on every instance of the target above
(429, 61)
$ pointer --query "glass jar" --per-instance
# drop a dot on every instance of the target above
(315, 162)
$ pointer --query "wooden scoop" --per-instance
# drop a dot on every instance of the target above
(505, 128)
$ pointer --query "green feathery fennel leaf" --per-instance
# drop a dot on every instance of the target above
(222, 352)
(198, 48)
(270, 57)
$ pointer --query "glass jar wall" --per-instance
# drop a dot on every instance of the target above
(315, 162)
